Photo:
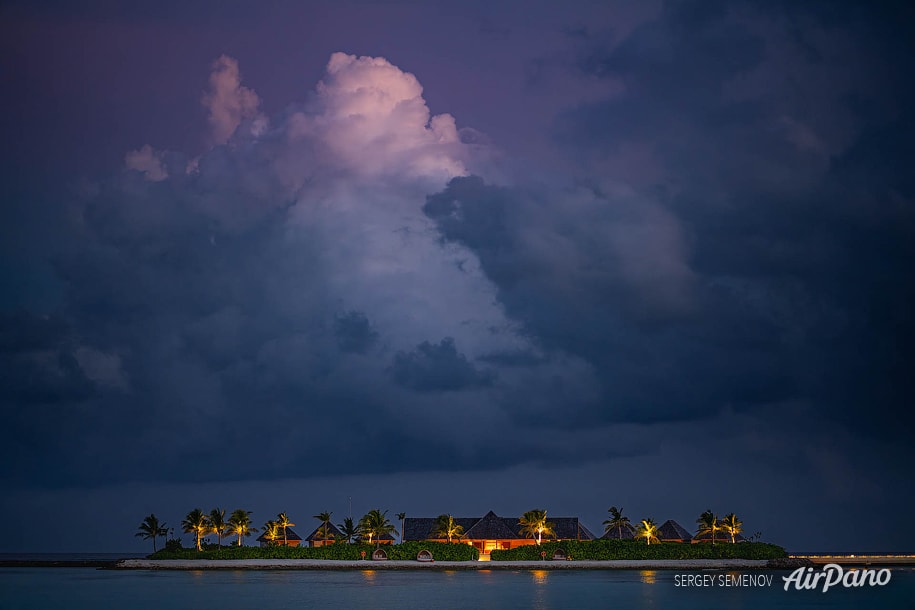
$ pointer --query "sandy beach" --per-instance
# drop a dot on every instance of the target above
(319, 564)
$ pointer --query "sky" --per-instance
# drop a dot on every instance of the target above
(442, 257)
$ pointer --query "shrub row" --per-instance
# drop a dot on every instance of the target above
(597, 550)
(441, 551)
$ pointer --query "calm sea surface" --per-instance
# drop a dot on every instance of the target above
(78, 588)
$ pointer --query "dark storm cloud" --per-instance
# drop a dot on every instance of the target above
(733, 247)
(436, 367)
(354, 332)
(666, 345)
(281, 295)
(793, 192)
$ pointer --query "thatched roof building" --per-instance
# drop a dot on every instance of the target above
(491, 531)
(671, 531)
(292, 539)
(318, 538)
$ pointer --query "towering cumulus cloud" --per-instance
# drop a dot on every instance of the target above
(228, 102)
(374, 119)
(293, 278)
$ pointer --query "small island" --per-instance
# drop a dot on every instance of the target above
(446, 542)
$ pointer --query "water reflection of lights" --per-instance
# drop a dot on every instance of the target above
(540, 576)
(369, 576)
(649, 577)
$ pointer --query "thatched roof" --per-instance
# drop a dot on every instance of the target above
(493, 527)
(671, 530)
(624, 533)
(421, 528)
(318, 534)
(290, 535)
(571, 528)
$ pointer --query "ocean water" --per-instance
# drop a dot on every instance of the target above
(79, 588)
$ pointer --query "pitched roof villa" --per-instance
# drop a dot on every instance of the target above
(317, 537)
(492, 532)
(292, 539)
(671, 531)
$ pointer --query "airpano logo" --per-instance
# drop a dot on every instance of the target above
(833, 575)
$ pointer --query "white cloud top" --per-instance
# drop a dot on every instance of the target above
(373, 118)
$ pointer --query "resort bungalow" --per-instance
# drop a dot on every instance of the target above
(386, 539)
(492, 532)
(321, 538)
(671, 531)
(292, 539)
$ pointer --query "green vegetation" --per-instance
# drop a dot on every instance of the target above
(349, 530)
(708, 524)
(196, 523)
(617, 522)
(376, 525)
(282, 521)
(401, 517)
(151, 528)
(271, 532)
(534, 525)
(240, 525)
(324, 518)
(599, 550)
(445, 527)
(731, 526)
(218, 525)
(441, 551)
(648, 530)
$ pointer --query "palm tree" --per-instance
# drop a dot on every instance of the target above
(150, 528)
(731, 525)
(283, 522)
(708, 524)
(445, 527)
(648, 530)
(218, 525)
(349, 529)
(196, 523)
(324, 518)
(240, 524)
(534, 525)
(271, 532)
(376, 524)
(402, 518)
(617, 522)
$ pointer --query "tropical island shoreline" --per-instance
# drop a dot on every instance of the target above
(324, 564)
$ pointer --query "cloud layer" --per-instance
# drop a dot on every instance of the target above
(284, 283)
(713, 267)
